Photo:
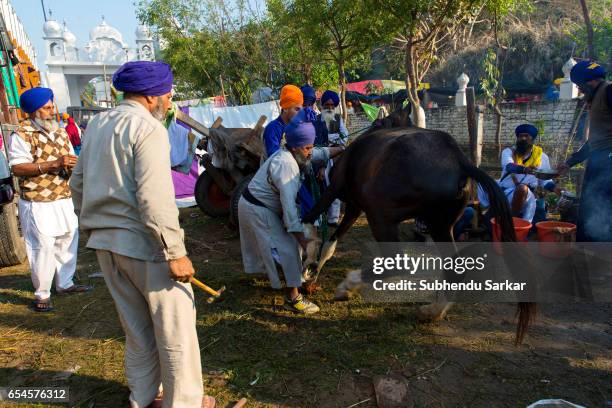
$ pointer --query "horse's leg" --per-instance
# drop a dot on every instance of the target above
(351, 214)
(441, 230)
(383, 230)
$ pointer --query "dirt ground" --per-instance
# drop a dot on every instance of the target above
(275, 359)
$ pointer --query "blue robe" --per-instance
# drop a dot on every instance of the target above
(273, 134)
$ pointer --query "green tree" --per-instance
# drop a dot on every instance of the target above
(213, 48)
(340, 31)
(422, 30)
(495, 60)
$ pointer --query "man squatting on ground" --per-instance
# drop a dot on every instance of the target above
(271, 232)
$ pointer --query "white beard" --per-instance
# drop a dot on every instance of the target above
(302, 161)
(328, 117)
(159, 112)
(49, 125)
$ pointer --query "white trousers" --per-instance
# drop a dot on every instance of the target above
(50, 257)
(333, 213)
(158, 316)
(528, 210)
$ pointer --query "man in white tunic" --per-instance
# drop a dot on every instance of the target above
(41, 155)
(519, 163)
(271, 233)
(122, 189)
(337, 135)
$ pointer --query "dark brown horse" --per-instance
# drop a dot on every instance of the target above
(395, 172)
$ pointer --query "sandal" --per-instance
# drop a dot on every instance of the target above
(75, 289)
(42, 305)
(208, 402)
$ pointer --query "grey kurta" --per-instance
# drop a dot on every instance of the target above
(265, 232)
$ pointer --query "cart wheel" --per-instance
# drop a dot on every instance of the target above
(12, 245)
(236, 194)
(210, 198)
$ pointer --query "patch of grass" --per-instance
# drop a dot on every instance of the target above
(252, 349)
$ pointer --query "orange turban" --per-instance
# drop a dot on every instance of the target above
(291, 96)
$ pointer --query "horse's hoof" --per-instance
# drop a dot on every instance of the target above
(433, 312)
(310, 288)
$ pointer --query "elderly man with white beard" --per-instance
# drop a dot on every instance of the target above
(122, 189)
(337, 134)
(271, 232)
(42, 156)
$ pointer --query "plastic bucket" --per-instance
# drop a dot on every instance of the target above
(521, 229)
(555, 238)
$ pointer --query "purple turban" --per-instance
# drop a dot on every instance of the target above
(310, 95)
(527, 128)
(148, 78)
(330, 95)
(33, 99)
(300, 131)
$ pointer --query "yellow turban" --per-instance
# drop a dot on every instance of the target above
(291, 96)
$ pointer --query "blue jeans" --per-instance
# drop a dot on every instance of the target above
(464, 222)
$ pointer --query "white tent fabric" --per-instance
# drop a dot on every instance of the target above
(245, 116)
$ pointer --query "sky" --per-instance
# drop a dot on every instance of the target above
(80, 16)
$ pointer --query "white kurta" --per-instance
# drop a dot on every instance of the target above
(507, 184)
(333, 214)
(49, 229)
(265, 232)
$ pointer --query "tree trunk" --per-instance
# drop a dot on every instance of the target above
(412, 84)
(498, 128)
(342, 78)
(589, 29)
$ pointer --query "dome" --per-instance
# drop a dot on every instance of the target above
(52, 28)
(143, 33)
(69, 37)
(103, 30)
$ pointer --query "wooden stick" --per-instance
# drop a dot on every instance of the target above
(192, 123)
(204, 287)
(217, 123)
(241, 403)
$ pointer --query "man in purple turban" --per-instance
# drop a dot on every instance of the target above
(122, 189)
(271, 232)
(42, 157)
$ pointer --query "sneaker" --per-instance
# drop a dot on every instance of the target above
(300, 305)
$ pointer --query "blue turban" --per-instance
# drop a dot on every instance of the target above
(585, 71)
(310, 95)
(300, 131)
(527, 128)
(327, 95)
(146, 78)
(33, 99)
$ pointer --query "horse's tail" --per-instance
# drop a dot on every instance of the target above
(500, 210)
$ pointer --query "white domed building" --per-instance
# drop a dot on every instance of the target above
(71, 68)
